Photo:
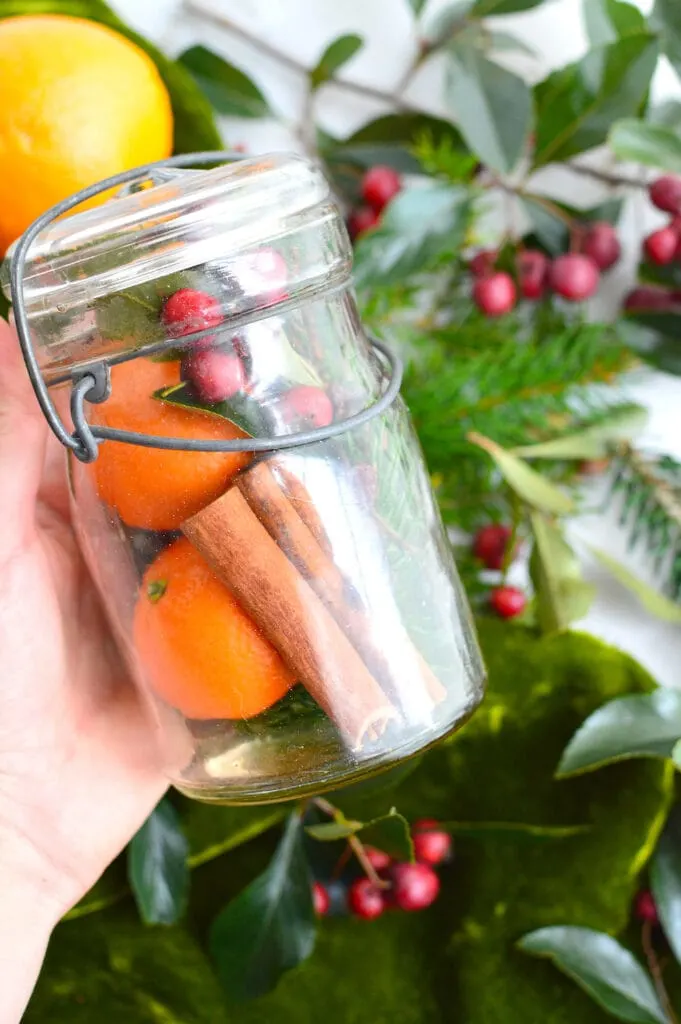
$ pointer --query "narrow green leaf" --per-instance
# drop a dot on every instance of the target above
(337, 53)
(609, 20)
(513, 829)
(487, 8)
(446, 23)
(665, 880)
(330, 831)
(390, 832)
(230, 90)
(649, 144)
(417, 6)
(577, 105)
(562, 596)
(491, 106)
(676, 755)
(624, 421)
(270, 926)
(643, 725)
(652, 600)
(421, 222)
(528, 485)
(157, 866)
(607, 971)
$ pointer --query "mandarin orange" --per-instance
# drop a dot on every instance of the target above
(199, 650)
(150, 488)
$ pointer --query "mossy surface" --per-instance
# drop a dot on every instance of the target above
(457, 961)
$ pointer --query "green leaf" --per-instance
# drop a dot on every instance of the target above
(577, 105)
(389, 140)
(491, 106)
(446, 23)
(505, 42)
(230, 91)
(602, 967)
(666, 19)
(528, 485)
(623, 421)
(195, 127)
(489, 8)
(609, 20)
(512, 829)
(562, 596)
(676, 755)
(157, 866)
(649, 144)
(417, 6)
(270, 926)
(643, 725)
(337, 53)
(652, 600)
(665, 880)
(330, 831)
(416, 226)
(389, 832)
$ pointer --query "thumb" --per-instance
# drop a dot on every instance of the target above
(23, 432)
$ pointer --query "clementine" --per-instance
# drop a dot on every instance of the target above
(150, 488)
(199, 650)
(78, 103)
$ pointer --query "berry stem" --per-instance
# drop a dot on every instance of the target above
(354, 844)
(655, 969)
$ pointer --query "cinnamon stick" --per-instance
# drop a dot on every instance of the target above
(402, 672)
(271, 590)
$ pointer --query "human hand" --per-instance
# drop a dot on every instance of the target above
(78, 772)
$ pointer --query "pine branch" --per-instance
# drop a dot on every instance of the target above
(651, 509)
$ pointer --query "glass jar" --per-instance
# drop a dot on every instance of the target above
(277, 576)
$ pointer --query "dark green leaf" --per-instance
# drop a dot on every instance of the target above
(666, 19)
(529, 485)
(389, 832)
(390, 139)
(446, 23)
(603, 968)
(270, 926)
(665, 880)
(337, 53)
(417, 225)
(230, 91)
(212, 831)
(487, 8)
(577, 105)
(195, 127)
(157, 866)
(562, 596)
(512, 829)
(609, 20)
(623, 421)
(650, 144)
(652, 600)
(646, 725)
(417, 6)
(548, 228)
(491, 106)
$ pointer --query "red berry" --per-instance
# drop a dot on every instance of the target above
(365, 900)
(320, 899)
(661, 246)
(415, 886)
(533, 273)
(308, 404)
(483, 262)
(575, 277)
(649, 297)
(495, 295)
(508, 602)
(380, 185)
(269, 274)
(379, 859)
(644, 907)
(593, 467)
(602, 245)
(189, 310)
(431, 844)
(361, 220)
(215, 374)
(490, 545)
(665, 193)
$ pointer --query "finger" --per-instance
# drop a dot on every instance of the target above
(23, 432)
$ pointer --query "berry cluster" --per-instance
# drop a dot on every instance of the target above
(379, 185)
(575, 276)
(404, 886)
(661, 248)
(218, 370)
(490, 546)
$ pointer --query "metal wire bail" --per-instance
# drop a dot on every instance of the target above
(94, 384)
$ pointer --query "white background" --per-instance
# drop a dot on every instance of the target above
(303, 28)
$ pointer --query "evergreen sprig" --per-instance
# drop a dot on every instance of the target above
(650, 489)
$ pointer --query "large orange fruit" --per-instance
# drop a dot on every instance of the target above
(150, 488)
(78, 103)
(199, 650)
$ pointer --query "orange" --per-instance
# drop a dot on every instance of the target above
(200, 651)
(78, 102)
(150, 488)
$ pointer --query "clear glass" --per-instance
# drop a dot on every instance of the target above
(295, 619)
